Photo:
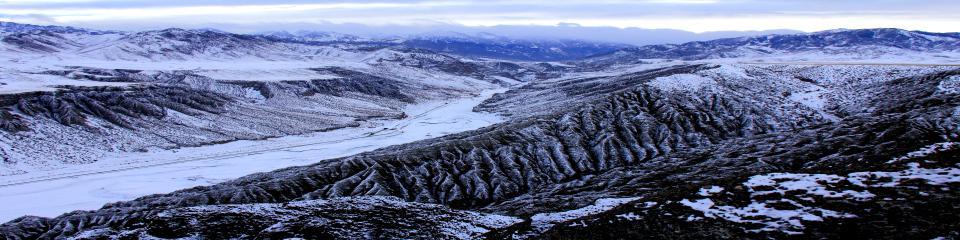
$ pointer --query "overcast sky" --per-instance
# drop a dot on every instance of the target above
(689, 15)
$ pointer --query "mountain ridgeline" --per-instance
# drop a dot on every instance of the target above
(33, 38)
(876, 45)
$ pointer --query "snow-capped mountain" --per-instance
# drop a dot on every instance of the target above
(885, 45)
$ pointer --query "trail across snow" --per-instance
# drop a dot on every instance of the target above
(131, 175)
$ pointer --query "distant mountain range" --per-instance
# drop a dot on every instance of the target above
(630, 35)
(175, 43)
(11, 27)
(885, 44)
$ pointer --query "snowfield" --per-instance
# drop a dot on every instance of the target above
(130, 175)
(19, 82)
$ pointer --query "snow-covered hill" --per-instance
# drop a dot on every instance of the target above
(160, 45)
(863, 45)
(11, 28)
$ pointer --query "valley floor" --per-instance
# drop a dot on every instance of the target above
(131, 175)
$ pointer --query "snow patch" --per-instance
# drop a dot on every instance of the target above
(951, 85)
(804, 187)
(629, 216)
(788, 221)
(710, 191)
(814, 97)
(16, 82)
(927, 151)
(682, 83)
(544, 221)
(809, 184)
(937, 176)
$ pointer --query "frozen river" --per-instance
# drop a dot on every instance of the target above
(131, 175)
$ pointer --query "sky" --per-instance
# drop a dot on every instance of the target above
(695, 16)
